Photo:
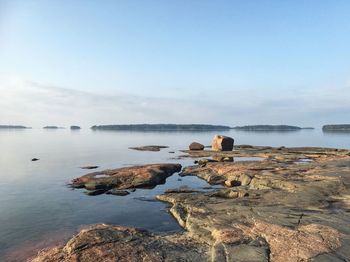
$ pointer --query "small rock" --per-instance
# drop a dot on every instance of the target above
(171, 152)
(152, 148)
(35, 159)
(196, 146)
(95, 192)
(232, 183)
(181, 189)
(117, 192)
(222, 143)
(89, 167)
(92, 185)
(203, 162)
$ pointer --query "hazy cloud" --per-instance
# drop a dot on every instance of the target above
(36, 104)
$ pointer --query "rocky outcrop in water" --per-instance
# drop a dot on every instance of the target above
(292, 206)
(196, 146)
(127, 177)
(89, 167)
(152, 148)
(222, 143)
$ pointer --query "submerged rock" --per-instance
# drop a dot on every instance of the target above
(196, 146)
(127, 177)
(146, 199)
(152, 148)
(222, 143)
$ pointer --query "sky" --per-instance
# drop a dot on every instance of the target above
(228, 62)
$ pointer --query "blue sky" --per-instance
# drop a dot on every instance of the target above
(222, 62)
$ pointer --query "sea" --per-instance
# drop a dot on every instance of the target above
(38, 208)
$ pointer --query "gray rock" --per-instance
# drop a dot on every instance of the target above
(117, 192)
(196, 146)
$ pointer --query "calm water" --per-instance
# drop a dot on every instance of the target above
(37, 209)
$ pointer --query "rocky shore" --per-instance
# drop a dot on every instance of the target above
(146, 176)
(294, 205)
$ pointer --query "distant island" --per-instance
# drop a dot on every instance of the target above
(162, 127)
(336, 128)
(53, 127)
(270, 128)
(75, 127)
(13, 127)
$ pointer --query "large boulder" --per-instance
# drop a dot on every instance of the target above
(222, 143)
(196, 146)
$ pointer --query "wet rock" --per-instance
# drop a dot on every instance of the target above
(152, 148)
(75, 127)
(95, 192)
(35, 159)
(128, 177)
(203, 162)
(171, 152)
(117, 192)
(181, 189)
(196, 146)
(222, 143)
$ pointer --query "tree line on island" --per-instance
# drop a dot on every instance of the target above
(162, 127)
(193, 127)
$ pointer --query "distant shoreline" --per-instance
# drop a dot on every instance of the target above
(13, 127)
(271, 128)
(336, 128)
(162, 127)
